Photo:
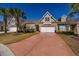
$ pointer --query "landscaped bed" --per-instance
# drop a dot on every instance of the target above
(13, 37)
(72, 41)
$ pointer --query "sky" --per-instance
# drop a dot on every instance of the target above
(34, 11)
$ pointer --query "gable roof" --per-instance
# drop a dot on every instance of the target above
(49, 15)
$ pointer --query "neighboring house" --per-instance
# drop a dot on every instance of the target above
(68, 25)
(11, 25)
(63, 24)
(29, 25)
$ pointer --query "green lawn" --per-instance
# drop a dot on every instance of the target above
(13, 37)
(72, 41)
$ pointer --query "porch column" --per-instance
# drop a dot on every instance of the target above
(57, 28)
(77, 29)
(67, 27)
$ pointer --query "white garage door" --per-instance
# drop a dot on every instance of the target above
(47, 29)
(12, 29)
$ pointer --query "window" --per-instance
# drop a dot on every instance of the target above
(62, 28)
(47, 19)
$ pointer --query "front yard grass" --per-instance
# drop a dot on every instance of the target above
(13, 37)
(72, 41)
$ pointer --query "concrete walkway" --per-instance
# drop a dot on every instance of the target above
(5, 51)
(42, 44)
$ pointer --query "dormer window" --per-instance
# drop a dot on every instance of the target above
(47, 19)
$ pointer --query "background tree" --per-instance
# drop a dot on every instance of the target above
(5, 13)
(75, 9)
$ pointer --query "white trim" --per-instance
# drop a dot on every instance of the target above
(49, 15)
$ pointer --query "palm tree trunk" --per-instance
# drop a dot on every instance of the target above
(17, 24)
(5, 23)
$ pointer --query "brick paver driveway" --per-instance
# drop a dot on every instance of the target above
(42, 44)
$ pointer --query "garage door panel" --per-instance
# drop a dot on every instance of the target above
(12, 29)
(47, 29)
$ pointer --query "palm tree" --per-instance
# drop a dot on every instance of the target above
(4, 12)
(17, 13)
(75, 9)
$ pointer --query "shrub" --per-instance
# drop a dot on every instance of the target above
(67, 32)
(24, 29)
(30, 30)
